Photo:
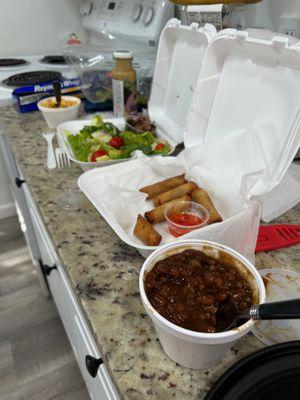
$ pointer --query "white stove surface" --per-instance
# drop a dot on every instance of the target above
(33, 64)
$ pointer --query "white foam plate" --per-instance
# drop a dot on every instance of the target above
(74, 127)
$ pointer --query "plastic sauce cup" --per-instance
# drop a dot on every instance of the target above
(185, 216)
(191, 349)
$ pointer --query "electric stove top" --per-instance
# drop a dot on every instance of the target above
(30, 70)
(53, 60)
(12, 62)
(31, 78)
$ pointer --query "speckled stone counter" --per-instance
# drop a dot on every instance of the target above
(103, 272)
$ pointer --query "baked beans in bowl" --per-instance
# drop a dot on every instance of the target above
(183, 284)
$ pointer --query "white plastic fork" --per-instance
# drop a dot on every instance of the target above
(62, 158)
(51, 162)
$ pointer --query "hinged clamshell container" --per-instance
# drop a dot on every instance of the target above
(252, 86)
(241, 134)
(179, 59)
(170, 97)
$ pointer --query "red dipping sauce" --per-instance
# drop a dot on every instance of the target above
(187, 221)
(185, 216)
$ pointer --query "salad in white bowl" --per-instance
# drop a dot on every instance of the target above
(99, 141)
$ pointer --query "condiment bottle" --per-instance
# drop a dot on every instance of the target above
(124, 84)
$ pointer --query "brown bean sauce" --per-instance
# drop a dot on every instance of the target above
(188, 288)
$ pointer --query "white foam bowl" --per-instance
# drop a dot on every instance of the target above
(191, 349)
(56, 116)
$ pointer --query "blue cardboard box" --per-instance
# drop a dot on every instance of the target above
(25, 98)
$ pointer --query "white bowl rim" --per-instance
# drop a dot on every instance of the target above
(227, 335)
(63, 109)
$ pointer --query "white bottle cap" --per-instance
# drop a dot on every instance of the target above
(123, 54)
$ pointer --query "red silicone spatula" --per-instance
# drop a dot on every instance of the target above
(272, 237)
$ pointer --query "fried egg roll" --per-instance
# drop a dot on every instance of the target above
(145, 231)
(172, 194)
(157, 214)
(163, 186)
(201, 197)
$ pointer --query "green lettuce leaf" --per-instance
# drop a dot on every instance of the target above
(113, 153)
(80, 147)
(145, 139)
(110, 128)
(97, 121)
(131, 147)
(87, 131)
(101, 137)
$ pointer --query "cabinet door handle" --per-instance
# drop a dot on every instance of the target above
(48, 269)
(19, 182)
(92, 365)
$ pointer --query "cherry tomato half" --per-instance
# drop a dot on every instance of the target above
(116, 142)
(98, 153)
(159, 146)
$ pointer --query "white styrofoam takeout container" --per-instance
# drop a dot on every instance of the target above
(250, 85)
(241, 133)
(197, 349)
(74, 127)
(56, 116)
(191, 41)
(181, 48)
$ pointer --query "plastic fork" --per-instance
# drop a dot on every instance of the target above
(51, 163)
(273, 237)
(61, 158)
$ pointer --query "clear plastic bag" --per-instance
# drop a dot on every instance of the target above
(93, 66)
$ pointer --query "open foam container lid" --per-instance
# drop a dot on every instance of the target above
(179, 58)
(249, 85)
(241, 131)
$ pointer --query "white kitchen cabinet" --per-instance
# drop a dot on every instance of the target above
(52, 274)
(7, 207)
(16, 183)
(100, 387)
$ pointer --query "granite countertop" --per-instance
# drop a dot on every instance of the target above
(103, 272)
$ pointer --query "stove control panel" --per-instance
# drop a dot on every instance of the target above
(138, 20)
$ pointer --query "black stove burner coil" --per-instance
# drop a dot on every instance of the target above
(12, 62)
(32, 78)
(53, 60)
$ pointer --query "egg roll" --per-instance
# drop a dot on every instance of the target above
(145, 231)
(201, 197)
(157, 215)
(163, 186)
(172, 194)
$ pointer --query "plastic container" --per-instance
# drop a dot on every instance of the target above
(182, 226)
(56, 116)
(195, 349)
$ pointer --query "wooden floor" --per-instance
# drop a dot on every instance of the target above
(36, 360)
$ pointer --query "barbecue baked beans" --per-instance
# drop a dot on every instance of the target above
(188, 288)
